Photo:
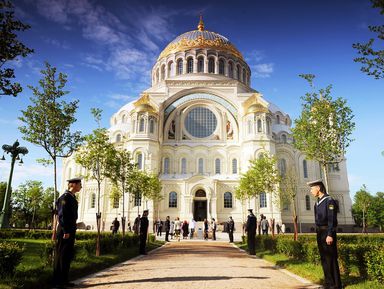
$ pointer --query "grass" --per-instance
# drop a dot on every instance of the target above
(313, 272)
(33, 273)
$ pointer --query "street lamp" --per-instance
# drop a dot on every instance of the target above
(15, 150)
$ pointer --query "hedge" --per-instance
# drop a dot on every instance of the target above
(365, 252)
(11, 255)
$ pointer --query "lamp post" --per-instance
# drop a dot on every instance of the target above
(15, 150)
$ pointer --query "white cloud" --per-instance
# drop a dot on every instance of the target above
(56, 43)
(254, 56)
(262, 70)
(26, 172)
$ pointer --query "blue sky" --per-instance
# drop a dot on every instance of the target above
(107, 48)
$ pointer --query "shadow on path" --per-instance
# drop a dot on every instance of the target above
(171, 279)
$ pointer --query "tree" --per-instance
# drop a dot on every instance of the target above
(372, 59)
(96, 156)
(47, 122)
(288, 192)
(262, 176)
(27, 199)
(44, 212)
(362, 202)
(376, 211)
(119, 172)
(10, 47)
(324, 127)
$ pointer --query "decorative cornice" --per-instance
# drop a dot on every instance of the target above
(201, 83)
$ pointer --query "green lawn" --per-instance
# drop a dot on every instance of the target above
(33, 273)
(313, 272)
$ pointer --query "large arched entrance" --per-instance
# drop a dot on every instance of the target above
(200, 206)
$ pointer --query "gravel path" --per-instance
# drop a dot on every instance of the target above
(194, 264)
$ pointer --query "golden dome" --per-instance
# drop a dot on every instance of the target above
(254, 108)
(200, 38)
(143, 104)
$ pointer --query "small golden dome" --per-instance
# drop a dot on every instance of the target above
(144, 108)
(254, 108)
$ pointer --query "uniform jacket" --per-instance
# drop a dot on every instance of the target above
(251, 224)
(144, 223)
(231, 226)
(326, 213)
(67, 212)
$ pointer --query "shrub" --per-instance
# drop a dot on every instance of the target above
(289, 247)
(11, 255)
(375, 263)
(311, 252)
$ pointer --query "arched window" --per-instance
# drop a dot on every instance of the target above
(140, 161)
(263, 200)
(283, 138)
(137, 199)
(227, 200)
(93, 200)
(211, 65)
(234, 166)
(307, 203)
(183, 165)
(163, 72)
(268, 125)
(244, 75)
(172, 200)
(118, 138)
(200, 64)
(305, 169)
(151, 125)
(190, 65)
(259, 126)
(282, 167)
(238, 72)
(286, 121)
(141, 125)
(230, 69)
(123, 119)
(221, 66)
(217, 166)
(200, 194)
(201, 166)
(157, 76)
(166, 166)
(278, 119)
(249, 126)
(179, 67)
(116, 202)
(170, 69)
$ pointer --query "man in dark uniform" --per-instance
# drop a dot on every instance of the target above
(326, 223)
(115, 226)
(250, 228)
(66, 231)
(144, 223)
(167, 227)
(231, 228)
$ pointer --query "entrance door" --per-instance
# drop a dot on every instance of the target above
(200, 210)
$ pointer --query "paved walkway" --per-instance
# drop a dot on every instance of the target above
(194, 264)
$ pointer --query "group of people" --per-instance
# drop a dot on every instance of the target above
(325, 218)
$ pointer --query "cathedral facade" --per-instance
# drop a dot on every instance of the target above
(197, 127)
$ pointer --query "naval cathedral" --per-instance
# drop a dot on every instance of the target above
(197, 127)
